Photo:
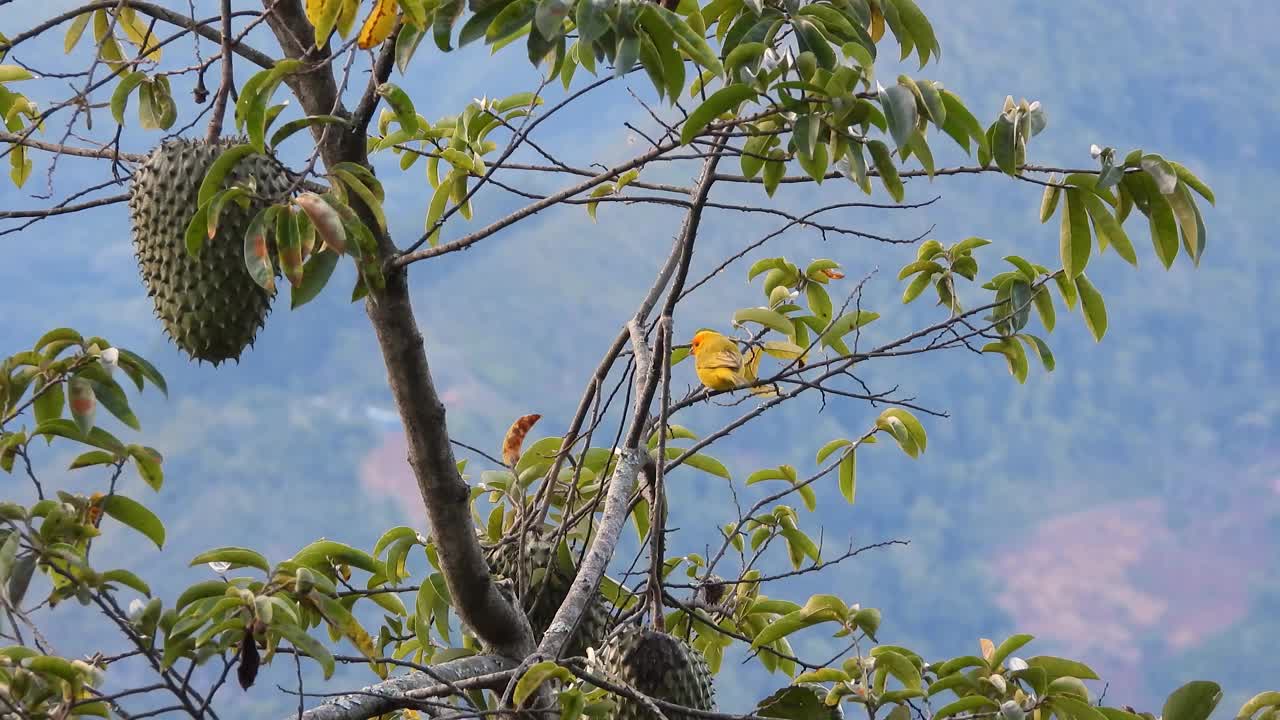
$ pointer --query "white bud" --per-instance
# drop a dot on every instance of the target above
(219, 567)
(1095, 152)
(1010, 710)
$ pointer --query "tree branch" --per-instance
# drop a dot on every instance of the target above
(402, 691)
(228, 78)
(480, 605)
(152, 10)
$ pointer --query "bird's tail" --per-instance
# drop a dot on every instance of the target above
(751, 370)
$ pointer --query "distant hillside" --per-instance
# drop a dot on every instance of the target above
(1123, 508)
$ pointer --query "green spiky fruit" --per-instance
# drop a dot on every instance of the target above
(210, 306)
(547, 579)
(659, 665)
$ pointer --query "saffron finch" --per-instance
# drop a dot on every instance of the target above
(721, 366)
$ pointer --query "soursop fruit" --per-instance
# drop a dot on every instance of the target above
(548, 580)
(210, 306)
(659, 665)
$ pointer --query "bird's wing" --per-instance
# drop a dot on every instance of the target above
(723, 359)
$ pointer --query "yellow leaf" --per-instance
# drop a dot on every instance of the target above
(378, 25)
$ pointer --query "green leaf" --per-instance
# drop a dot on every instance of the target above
(367, 195)
(97, 437)
(305, 643)
(961, 124)
(1095, 312)
(237, 556)
(1076, 708)
(705, 463)
(549, 17)
(848, 479)
(148, 370)
(321, 551)
(774, 169)
(917, 24)
(1187, 178)
(901, 668)
(251, 107)
(1005, 145)
(128, 579)
(535, 676)
(1193, 701)
(219, 170)
(288, 129)
(1164, 225)
(135, 515)
(1041, 349)
(721, 101)
(592, 20)
(147, 460)
(14, 73)
(900, 111)
(92, 458)
(1014, 355)
(1109, 230)
(196, 232)
(1257, 702)
(965, 704)
(1056, 667)
(1189, 221)
(315, 275)
(825, 451)
(1161, 172)
(49, 404)
(111, 396)
(1075, 242)
(847, 323)
(1007, 648)
(787, 624)
(120, 97)
(401, 104)
(690, 42)
(883, 161)
(914, 428)
(74, 31)
(763, 316)
(812, 40)
(1049, 201)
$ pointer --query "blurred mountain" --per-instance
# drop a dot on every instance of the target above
(1125, 509)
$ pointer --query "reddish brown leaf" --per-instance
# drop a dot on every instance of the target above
(514, 440)
(327, 221)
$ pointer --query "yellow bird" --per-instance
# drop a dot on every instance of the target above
(721, 366)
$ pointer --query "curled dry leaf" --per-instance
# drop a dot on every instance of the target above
(833, 274)
(378, 25)
(514, 440)
(247, 672)
(327, 221)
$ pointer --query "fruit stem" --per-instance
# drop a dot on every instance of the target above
(224, 88)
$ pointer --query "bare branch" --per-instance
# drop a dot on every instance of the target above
(152, 10)
(228, 79)
(405, 690)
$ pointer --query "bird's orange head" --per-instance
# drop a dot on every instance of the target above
(699, 338)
